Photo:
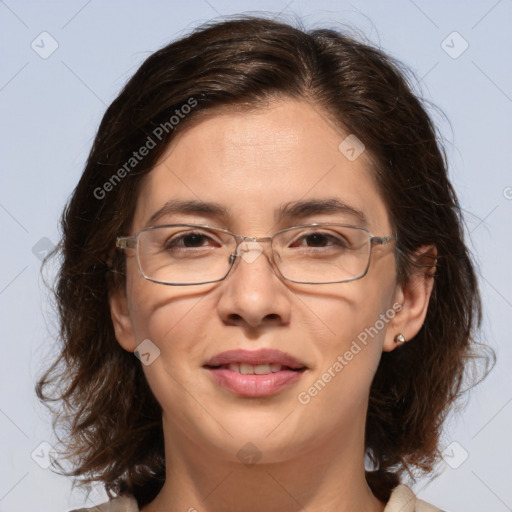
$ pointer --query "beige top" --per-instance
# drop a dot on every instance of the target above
(402, 500)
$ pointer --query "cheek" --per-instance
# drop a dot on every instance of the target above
(348, 334)
(337, 389)
(334, 320)
(158, 311)
(174, 323)
(176, 326)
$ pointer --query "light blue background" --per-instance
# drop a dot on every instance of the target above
(50, 110)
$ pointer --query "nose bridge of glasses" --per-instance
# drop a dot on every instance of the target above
(243, 238)
(249, 248)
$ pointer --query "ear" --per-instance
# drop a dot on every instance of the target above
(414, 297)
(122, 320)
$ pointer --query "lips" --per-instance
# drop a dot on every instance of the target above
(251, 369)
(256, 358)
(255, 373)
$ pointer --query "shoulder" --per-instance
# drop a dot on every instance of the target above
(403, 499)
(120, 504)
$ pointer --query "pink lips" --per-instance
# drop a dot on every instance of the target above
(255, 373)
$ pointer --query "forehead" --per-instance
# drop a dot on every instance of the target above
(254, 162)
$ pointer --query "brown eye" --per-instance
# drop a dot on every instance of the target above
(317, 239)
(188, 240)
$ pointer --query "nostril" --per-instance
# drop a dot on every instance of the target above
(235, 319)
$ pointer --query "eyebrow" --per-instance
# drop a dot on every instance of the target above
(301, 209)
(177, 206)
(294, 210)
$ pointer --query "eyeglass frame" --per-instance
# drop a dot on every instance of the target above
(131, 242)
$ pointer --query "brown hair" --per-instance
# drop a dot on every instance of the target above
(105, 401)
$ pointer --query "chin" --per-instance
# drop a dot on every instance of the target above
(267, 438)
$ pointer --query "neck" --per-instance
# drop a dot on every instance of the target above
(327, 476)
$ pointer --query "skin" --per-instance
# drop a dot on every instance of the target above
(312, 455)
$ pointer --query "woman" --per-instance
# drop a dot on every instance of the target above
(265, 221)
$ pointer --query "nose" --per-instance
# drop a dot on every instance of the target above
(253, 294)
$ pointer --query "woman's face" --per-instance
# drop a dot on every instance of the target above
(253, 164)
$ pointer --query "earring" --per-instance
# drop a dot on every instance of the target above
(400, 338)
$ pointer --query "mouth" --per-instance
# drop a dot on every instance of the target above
(258, 369)
(255, 373)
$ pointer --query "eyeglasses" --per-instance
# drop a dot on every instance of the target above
(189, 254)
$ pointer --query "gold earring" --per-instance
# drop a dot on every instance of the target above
(400, 338)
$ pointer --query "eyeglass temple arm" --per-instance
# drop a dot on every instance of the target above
(383, 240)
(126, 242)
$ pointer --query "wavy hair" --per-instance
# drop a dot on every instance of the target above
(97, 391)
